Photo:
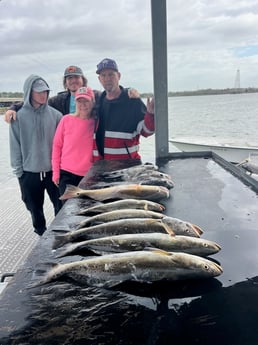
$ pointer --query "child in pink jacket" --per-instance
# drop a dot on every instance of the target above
(73, 142)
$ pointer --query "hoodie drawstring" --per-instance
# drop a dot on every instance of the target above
(42, 175)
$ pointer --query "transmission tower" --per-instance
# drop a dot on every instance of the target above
(237, 80)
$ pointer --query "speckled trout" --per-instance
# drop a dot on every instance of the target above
(149, 177)
(167, 225)
(130, 242)
(119, 214)
(123, 204)
(179, 226)
(115, 227)
(122, 191)
(141, 266)
(131, 171)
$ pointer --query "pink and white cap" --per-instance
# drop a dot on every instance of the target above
(85, 92)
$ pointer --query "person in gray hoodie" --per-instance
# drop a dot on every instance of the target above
(31, 139)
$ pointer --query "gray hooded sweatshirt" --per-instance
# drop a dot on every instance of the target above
(31, 135)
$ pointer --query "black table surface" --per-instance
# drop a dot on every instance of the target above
(223, 310)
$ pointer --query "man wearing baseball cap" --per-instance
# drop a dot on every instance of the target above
(64, 101)
(40, 85)
(31, 138)
(121, 119)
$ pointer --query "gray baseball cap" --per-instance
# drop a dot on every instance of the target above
(73, 70)
(40, 85)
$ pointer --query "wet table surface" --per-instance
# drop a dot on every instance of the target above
(215, 311)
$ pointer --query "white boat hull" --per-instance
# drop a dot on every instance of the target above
(232, 152)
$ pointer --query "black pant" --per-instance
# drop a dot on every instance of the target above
(68, 178)
(33, 186)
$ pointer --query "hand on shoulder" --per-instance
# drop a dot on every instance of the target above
(9, 116)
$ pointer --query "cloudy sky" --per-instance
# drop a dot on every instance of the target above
(208, 41)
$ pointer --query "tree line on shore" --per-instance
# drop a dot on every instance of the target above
(207, 92)
(170, 93)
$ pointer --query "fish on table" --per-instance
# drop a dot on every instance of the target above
(176, 224)
(169, 184)
(141, 266)
(167, 225)
(141, 180)
(152, 178)
(123, 204)
(119, 214)
(131, 242)
(112, 228)
(131, 171)
(122, 191)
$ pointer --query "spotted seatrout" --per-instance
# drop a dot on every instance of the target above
(131, 171)
(179, 226)
(149, 177)
(130, 242)
(142, 266)
(123, 191)
(123, 204)
(119, 214)
(115, 227)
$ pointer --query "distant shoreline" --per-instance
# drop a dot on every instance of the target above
(203, 92)
(6, 99)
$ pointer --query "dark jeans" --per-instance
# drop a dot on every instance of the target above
(68, 178)
(33, 186)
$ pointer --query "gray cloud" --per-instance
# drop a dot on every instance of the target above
(45, 36)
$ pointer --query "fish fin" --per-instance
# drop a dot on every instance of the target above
(67, 250)
(167, 228)
(197, 229)
(64, 231)
(157, 251)
(59, 241)
(162, 208)
(71, 192)
(111, 284)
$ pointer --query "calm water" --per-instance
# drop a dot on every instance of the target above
(232, 117)
(219, 116)
(228, 117)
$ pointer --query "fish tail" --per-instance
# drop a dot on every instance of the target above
(70, 192)
(63, 253)
(59, 241)
(45, 280)
(56, 272)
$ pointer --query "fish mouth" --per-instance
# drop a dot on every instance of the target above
(218, 247)
(218, 268)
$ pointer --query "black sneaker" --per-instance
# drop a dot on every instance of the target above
(40, 231)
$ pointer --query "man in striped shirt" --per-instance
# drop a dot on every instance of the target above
(121, 119)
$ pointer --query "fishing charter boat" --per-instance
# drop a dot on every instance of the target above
(234, 152)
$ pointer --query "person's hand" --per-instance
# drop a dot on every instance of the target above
(133, 93)
(150, 105)
(9, 116)
(56, 182)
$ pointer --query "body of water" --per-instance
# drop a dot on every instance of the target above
(223, 117)
(229, 118)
